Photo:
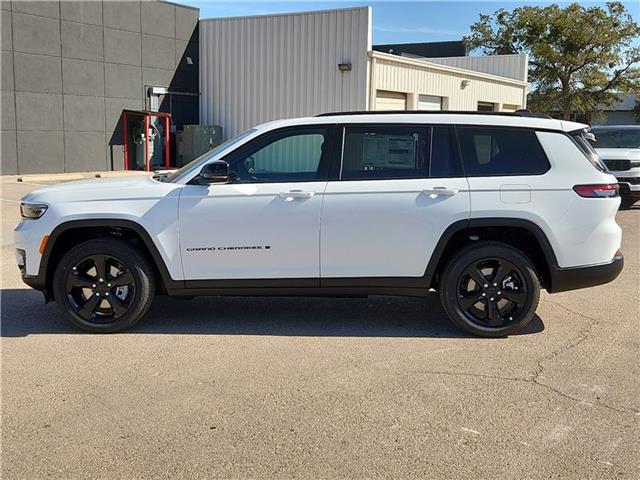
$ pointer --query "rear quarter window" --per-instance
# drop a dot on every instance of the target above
(491, 151)
(584, 145)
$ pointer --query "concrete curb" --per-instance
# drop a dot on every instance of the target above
(64, 177)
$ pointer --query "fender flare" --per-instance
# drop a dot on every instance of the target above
(460, 225)
(43, 271)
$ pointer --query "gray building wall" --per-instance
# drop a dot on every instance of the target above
(69, 68)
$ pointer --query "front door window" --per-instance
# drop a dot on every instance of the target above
(287, 156)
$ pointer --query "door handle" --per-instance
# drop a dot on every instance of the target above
(440, 192)
(293, 194)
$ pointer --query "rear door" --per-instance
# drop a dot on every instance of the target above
(399, 188)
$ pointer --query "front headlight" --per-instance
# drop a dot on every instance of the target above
(32, 210)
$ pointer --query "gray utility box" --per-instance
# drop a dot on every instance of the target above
(195, 140)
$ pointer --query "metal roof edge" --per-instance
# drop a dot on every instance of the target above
(286, 14)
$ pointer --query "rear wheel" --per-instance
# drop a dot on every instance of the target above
(103, 286)
(490, 289)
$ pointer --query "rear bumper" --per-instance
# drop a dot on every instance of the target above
(563, 279)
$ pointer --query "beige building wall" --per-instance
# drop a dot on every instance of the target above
(460, 89)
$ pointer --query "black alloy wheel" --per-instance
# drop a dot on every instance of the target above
(100, 288)
(491, 292)
(490, 289)
(103, 285)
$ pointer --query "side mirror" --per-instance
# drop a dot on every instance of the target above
(214, 172)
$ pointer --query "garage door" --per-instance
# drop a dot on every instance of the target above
(429, 102)
(390, 100)
(506, 107)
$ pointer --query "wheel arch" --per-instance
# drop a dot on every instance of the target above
(71, 233)
(522, 234)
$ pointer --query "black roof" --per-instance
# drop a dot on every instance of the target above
(454, 48)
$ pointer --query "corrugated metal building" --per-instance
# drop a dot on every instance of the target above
(261, 68)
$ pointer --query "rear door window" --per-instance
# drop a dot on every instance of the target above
(384, 152)
(388, 152)
(491, 151)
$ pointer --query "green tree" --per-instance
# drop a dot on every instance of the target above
(581, 59)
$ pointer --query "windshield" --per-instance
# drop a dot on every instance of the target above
(178, 174)
(612, 138)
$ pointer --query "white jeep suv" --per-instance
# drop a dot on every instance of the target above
(486, 209)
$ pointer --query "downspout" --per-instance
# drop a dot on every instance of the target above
(372, 89)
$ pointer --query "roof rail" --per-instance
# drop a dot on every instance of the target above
(517, 113)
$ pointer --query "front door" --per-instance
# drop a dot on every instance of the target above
(264, 223)
(400, 187)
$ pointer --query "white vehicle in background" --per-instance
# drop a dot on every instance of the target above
(619, 148)
(487, 209)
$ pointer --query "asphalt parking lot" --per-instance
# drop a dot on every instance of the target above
(321, 388)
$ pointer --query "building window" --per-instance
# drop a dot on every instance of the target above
(486, 107)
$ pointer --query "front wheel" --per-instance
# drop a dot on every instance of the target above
(490, 289)
(103, 285)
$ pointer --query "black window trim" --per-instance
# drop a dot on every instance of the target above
(455, 150)
(324, 169)
(458, 127)
(427, 127)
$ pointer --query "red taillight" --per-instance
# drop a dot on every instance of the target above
(606, 190)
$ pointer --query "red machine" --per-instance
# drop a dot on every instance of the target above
(139, 128)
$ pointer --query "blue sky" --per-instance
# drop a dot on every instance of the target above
(393, 22)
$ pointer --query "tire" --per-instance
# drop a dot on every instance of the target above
(103, 286)
(498, 310)
(627, 203)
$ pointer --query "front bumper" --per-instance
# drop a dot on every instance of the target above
(564, 279)
(36, 282)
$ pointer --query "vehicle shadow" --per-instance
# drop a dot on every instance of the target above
(24, 313)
